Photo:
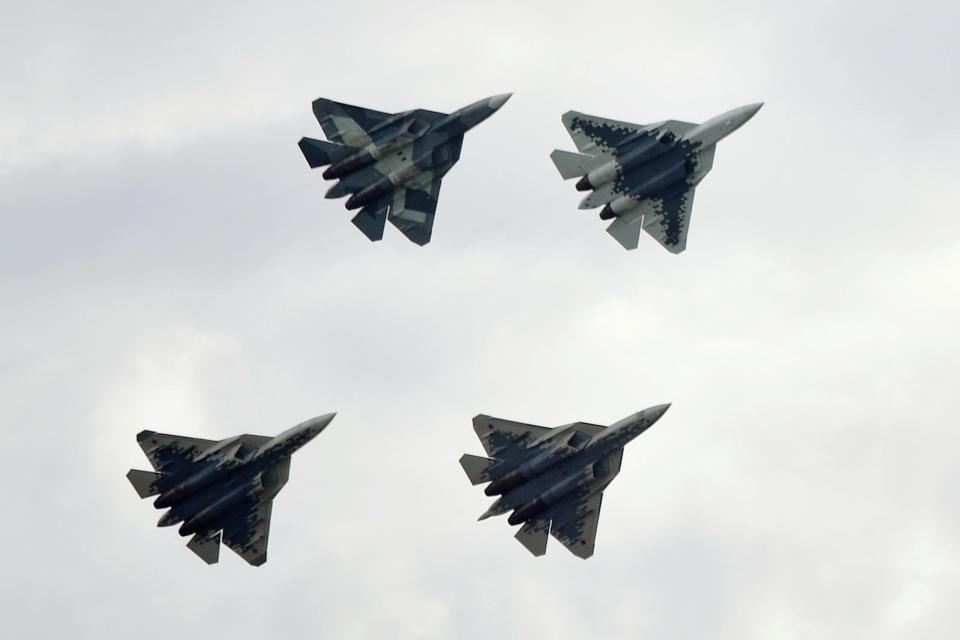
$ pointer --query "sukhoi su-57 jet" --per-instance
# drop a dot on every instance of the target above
(552, 479)
(391, 164)
(644, 176)
(228, 485)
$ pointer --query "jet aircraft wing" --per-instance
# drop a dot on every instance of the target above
(347, 124)
(414, 205)
(671, 220)
(666, 219)
(246, 529)
(168, 453)
(575, 520)
(575, 524)
(589, 132)
(413, 211)
(409, 209)
(506, 439)
(595, 135)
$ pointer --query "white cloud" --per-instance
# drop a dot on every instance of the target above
(168, 262)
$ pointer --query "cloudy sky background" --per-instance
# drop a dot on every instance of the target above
(167, 261)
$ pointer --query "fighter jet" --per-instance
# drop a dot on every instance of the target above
(226, 486)
(644, 176)
(391, 164)
(552, 479)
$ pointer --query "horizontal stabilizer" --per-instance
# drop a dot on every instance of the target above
(571, 165)
(143, 482)
(207, 547)
(533, 535)
(477, 468)
(320, 152)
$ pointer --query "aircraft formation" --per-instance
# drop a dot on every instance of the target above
(390, 167)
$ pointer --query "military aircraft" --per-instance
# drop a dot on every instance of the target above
(391, 164)
(228, 485)
(552, 479)
(644, 176)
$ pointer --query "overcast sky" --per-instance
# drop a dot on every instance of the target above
(167, 261)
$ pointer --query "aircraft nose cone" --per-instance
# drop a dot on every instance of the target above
(655, 413)
(318, 424)
(498, 101)
(751, 110)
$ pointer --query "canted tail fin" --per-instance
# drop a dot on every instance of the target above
(320, 152)
(143, 482)
(533, 535)
(207, 547)
(477, 468)
(625, 232)
(372, 219)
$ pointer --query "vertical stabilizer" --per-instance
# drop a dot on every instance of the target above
(533, 535)
(207, 547)
(372, 219)
(626, 233)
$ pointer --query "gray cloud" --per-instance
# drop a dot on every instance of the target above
(167, 261)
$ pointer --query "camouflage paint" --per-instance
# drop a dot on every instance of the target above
(391, 165)
(552, 480)
(223, 486)
(644, 175)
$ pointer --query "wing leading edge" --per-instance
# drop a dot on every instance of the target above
(506, 439)
(346, 123)
(169, 453)
(602, 136)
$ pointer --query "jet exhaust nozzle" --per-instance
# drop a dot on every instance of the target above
(584, 184)
(504, 484)
(349, 164)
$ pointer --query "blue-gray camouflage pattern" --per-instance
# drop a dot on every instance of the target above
(391, 165)
(552, 480)
(644, 176)
(220, 488)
